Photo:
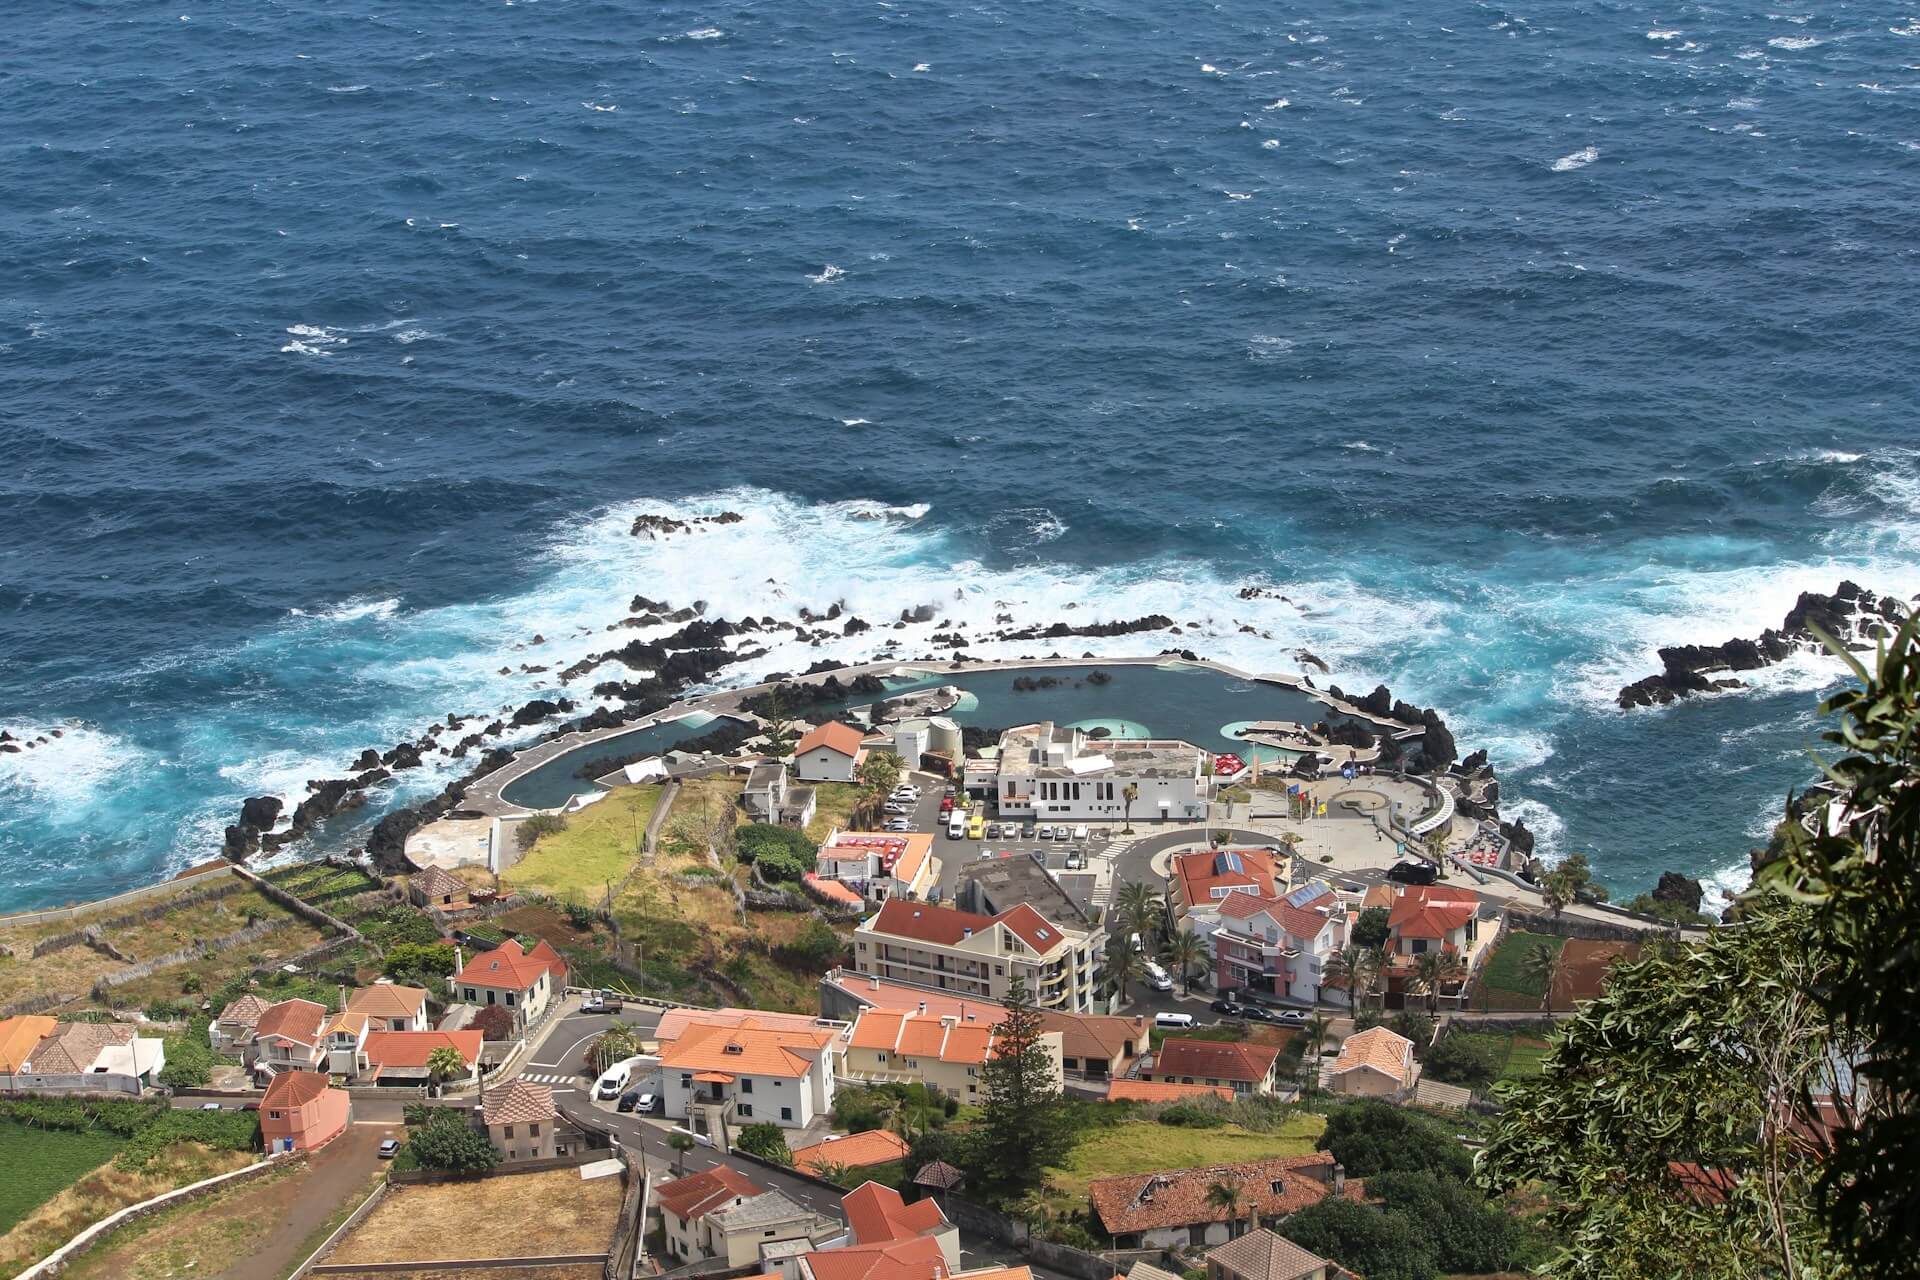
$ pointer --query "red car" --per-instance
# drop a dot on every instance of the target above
(946, 804)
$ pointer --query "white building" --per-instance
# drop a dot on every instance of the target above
(1053, 774)
(830, 753)
(779, 1073)
(924, 735)
(1279, 946)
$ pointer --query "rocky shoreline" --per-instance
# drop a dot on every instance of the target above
(1852, 615)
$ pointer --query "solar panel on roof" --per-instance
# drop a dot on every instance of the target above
(1228, 863)
(1302, 896)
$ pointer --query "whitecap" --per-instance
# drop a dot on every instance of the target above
(1794, 42)
(1911, 29)
(922, 66)
(1359, 446)
(601, 106)
(856, 422)
(1207, 68)
(1265, 347)
(1748, 55)
(1576, 160)
(1548, 828)
(1278, 104)
(1663, 35)
(705, 33)
(1271, 144)
(828, 274)
(313, 340)
(351, 610)
(406, 336)
(70, 770)
(347, 88)
(1238, 195)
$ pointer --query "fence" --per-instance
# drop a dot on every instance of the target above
(146, 968)
(89, 908)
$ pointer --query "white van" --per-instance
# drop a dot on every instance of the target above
(613, 1082)
(1180, 1021)
(957, 825)
(1080, 833)
(1157, 978)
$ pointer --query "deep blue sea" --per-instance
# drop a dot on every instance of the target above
(340, 342)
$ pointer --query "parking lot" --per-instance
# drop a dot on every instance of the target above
(1088, 880)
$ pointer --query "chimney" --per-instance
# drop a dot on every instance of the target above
(949, 1021)
(923, 1006)
(343, 997)
(1339, 1178)
(458, 963)
(876, 984)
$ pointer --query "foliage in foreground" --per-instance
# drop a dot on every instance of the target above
(448, 1142)
(766, 1140)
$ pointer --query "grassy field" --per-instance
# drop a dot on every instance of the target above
(832, 807)
(43, 1162)
(1524, 1053)
(1143, 1146)
(83, 1195)
(320, 884)
(598, 848)
(518, 1216)
(1504, 984)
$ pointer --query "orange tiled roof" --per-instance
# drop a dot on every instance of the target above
(1205, 873)
(1082, 1035)
(1161, 1091)
(387, 1000)
(244, 1011)
(833, 889)
(1178, 1197)
(857, 1151)
(507, 967)
(747, 1050)
(1376, 1047)
(351, 1023)
(878, 1214)
(917, 1259)
(412, 1048)
(1431, 911)
(699, 1193)
(1304, 920)
(675, 1023)
(834, 736)
(1215, 1060)
(18, 1036)
(294, 1089)
(296, 1020)
(923, 1036)
(435, 882)
(946, 926)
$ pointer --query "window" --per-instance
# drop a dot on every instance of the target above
(533, 1131)
(490, 999)
(746, 1084)
(509, 999)
(786, 1113)
(273, 1115)
(746, 1109)
(507, 1132)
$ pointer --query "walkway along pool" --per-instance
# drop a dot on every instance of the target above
(553, 783)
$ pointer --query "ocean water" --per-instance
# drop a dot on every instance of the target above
(340, 343)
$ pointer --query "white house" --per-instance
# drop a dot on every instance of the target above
(1053, 773)
(524, 981)
(775, 1072)
(830, 753)
(1279, 946)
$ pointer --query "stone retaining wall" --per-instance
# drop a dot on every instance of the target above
(23, 918)
(58, 1259)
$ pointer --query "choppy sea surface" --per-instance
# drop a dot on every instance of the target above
(340, 343)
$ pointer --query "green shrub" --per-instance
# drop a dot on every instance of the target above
(1469, 1235)
(190, 1059)
(221, 1130)
(1370, 930)
(447, 1141)
(396, 924)
(816, 949)
(1466, 1058)
(414, 962)
(765, 1140)
(540, 824)
(1380, 1246)
(1187, 1115)
(1371, 1138)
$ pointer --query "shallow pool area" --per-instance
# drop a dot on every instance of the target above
(551, 784)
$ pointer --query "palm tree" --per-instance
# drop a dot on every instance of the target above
(1542, 961)
(1226, 1195)
(681, 1144)
(1124, 965)
(444, 1064)
(1375, 974)
(1141, 910)
(1342, 969)
(612, 1045)
(1432, 971)
(1129, 793)
(1182, 951)
(1317, 1028)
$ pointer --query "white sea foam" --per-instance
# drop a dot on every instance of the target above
(705, 33)
(856, 422)
(1207, 68)
(1238, 195)
(70, 771)
(1271, 144)
(1360, 446)
(601, 106)
(313, 340)
(922, 66)
(1549, 831)
(347, 88)
(1278, 104)
(1266, 347)
(1794, 42)
(1576, 160)
(408, 336)
(1911, 29)
(1663, 35)
(827, 275)
(350, 611)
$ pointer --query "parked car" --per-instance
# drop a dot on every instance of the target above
(946, 804)
(1413, 872)
(629, 1100)
(648, 1104)
(1044, 833)
(1179, 1020)
(1076, 861)
(601, 1002)
(899, 824)
(1062, 833)
(390, 1148)
(1256, 1013)
(1291, 1017)
(1026, 831)
(1225, 1008)
(209, 1106)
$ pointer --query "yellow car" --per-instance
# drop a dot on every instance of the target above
(976, 827)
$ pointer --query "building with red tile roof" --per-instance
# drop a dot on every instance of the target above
(917, 1259)
(781, 1074)
(521, 1121)
(879, 864)
(525, 981)
(1429, 918)
(1172, 1209)
(880, 1215)
(1210, 875)
(301, 1112)
(288, 1037)
(976, 955)
(1096, 1046)
(829, 753)
(938, 1050)
(400, 1057)
(684, 1202)
(1375, 1063)
(1244, 1068)
(855, 1151)
(1277, 946)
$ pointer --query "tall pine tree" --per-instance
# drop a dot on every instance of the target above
(1023, 1126)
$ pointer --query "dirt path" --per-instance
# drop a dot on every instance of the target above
(259, 1231)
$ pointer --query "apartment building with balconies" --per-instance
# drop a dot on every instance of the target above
(980, 956)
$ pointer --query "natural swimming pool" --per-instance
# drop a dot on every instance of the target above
(553, 783)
